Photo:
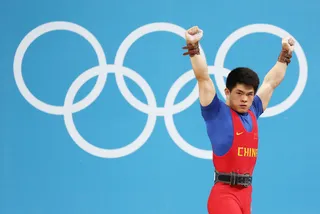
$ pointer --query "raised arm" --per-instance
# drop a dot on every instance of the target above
(199, 65)
(275, 76)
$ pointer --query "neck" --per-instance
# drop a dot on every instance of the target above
(227, 102)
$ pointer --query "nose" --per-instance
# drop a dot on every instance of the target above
(244, 98)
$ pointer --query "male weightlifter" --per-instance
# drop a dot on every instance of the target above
(232, 126)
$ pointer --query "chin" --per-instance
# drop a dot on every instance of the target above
(242, 110)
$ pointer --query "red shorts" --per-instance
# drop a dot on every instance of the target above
(224, 199)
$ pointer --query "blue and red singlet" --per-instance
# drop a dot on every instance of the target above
(234, 140)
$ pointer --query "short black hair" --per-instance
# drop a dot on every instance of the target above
(242, 75)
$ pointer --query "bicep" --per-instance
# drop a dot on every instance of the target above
(206, 91)
(209, 101)
(257, 106)
(211, 111)
(265, 93)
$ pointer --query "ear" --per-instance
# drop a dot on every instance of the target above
(227, 92)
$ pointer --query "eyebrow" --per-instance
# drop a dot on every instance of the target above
(238, 90)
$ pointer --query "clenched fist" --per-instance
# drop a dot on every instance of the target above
(193, 35)
(288, 44)
(287, 49)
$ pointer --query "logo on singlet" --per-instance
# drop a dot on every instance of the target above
(239, 133)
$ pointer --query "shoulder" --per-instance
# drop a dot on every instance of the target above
(215, 109)
(257, 107)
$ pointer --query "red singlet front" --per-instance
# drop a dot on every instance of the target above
(241, 158)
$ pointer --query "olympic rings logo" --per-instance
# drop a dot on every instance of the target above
(151, 108)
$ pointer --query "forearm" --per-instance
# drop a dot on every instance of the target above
(198, 62)
(275, 76)
(200, 67)
(277, 73)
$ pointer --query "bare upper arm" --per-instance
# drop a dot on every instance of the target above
(206, 91)
(265, 93)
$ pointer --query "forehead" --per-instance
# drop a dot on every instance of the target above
(244, 88)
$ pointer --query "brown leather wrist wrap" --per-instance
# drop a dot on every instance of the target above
(285, 56)
(193, 49)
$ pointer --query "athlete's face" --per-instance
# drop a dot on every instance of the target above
(240, 98)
